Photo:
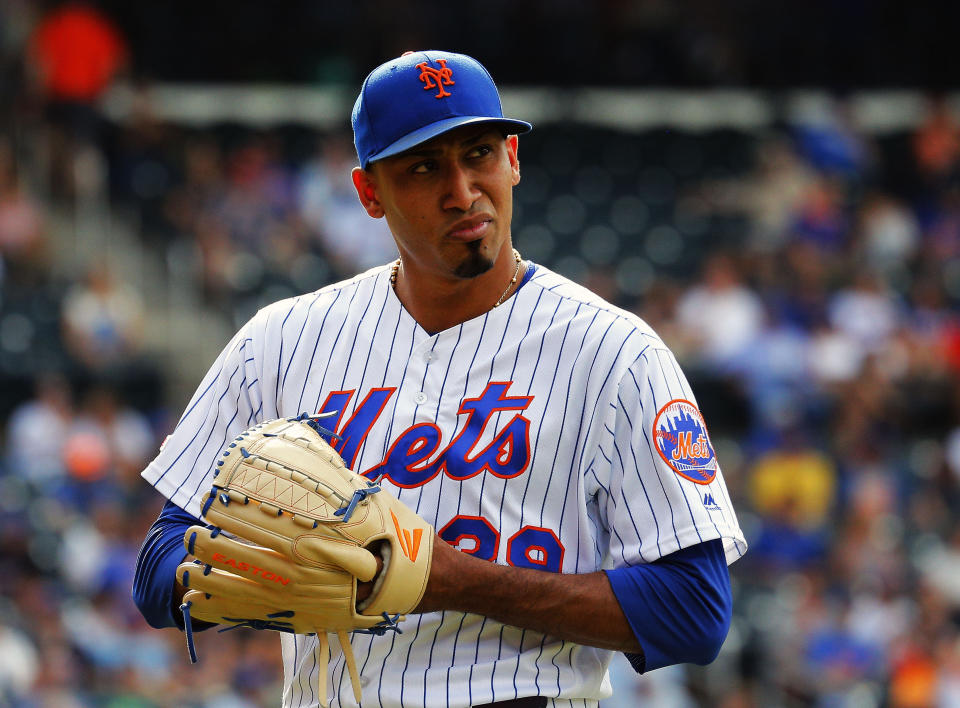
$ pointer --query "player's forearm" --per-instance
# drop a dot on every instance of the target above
(580, 608)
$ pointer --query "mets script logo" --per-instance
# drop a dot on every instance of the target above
(680, 436)
(419, 453)
(436, 78)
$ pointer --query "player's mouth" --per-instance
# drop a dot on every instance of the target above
(470, 229)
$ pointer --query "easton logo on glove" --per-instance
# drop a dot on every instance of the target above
(247, 567)
(302, 524)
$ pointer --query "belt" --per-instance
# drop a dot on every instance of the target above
(527, 702)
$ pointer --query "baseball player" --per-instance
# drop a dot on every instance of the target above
(550, 438)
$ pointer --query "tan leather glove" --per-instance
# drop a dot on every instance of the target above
(306, 530)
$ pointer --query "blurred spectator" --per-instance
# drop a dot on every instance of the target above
(103, 320)
(889, 232)
(22, 238)
(328, 204)
(832, 144)
(793, 488)
(73, 54)
(867, 311)
(942, 236)
(106, 447)
(936, 143)
(821, 219)
(721, 317)
(75, 51)
(36, 432)
(18, 665)
(833, 356)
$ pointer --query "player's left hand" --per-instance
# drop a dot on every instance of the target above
(311, 538)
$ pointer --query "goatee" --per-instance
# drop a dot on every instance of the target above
(476, 263)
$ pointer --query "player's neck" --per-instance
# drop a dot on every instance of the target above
(438, 304)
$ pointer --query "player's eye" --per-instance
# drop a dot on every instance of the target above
(480, 151)
(423, 167)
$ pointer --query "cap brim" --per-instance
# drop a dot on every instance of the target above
(428, 132)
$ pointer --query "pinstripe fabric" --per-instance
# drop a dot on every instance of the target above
(580, 382)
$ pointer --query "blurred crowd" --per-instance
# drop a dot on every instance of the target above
(808, 279)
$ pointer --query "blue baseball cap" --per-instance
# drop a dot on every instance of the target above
(420, 95)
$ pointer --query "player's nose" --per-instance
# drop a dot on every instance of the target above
(461, 190)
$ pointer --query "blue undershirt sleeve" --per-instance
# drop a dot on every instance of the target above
(679, 607)
(154, 578)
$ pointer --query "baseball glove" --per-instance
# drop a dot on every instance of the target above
(305, 529)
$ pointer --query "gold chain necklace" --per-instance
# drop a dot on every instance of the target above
(516, 273)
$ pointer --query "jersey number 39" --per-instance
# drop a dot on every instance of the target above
(530, 547)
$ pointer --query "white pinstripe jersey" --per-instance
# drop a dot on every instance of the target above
(526, 436)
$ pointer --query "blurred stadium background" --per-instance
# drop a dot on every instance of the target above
(775, 187)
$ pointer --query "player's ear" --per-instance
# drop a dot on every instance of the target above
(367, 192)
(512, 142)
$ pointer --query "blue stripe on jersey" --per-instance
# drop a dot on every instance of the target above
(536, 676)
(653, 461)
(466, 388)
(195, 436)
(293, 305)
(577, 460)
(556, 369)
(406, 664)
(564, 646)
(516, 359)
(331, 347)
(546, 405)
(353, 342)
(594, 523)
(366, 361)
(296, 651)
(613, 500)
(223, 441)
(387, 438)
(563, 420)
(416, 408)
(241, 344)
(443, 385)
(615, 312)
(503, 496)
(310, 680)
(484, 477)
(416, 633)
(436, 417)
(516, 669)
(493, 359)
(593, 412)
(433, 644)
(646, 494)
(296, 345)
(196, 402)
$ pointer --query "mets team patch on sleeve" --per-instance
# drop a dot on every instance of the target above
(680, 436)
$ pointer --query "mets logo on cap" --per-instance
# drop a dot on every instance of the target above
(680, 436)
(434, 78)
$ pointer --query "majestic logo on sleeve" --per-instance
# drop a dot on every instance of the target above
(680, 436)
(434, 78)
(417, 454)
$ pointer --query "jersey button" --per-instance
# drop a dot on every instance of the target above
(428, 356)
(420, 398)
